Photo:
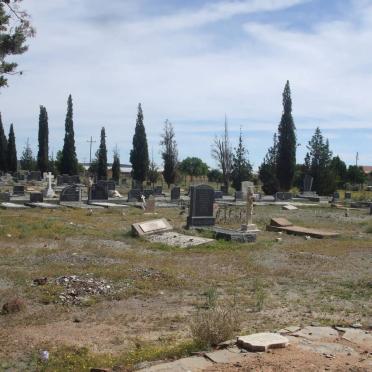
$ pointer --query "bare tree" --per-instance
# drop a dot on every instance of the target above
(169, 153)
(222, 153)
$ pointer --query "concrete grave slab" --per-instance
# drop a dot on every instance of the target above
(12, 206)
(151, 227)
(43, 205)
(175, 239)
(192, 364)
(289, 207)
(107, 205)
(262, 341)
(230, 355)
(317, 333)
(77, 205)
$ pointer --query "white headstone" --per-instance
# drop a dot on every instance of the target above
(50, 192)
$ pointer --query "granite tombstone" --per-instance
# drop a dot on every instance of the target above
(201, 206)
(70, 194)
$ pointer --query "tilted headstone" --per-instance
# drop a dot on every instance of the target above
(18, 190)
(175, 193)
(281, 196)
(201, 206)
(134, 195)
(308, 183)
(70, 194)
(98, 192)
(158, 190)
(4, 197)
(218, 194)
(36, 197)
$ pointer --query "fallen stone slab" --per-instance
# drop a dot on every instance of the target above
(230, 355)
(108, 205)
(175, 239)
(262, 341)
(7, 205)
(151, 227)
(289, 207)
(192, 364)
(280, 222)
(357, 336)
(289, 329)
(317, 333)
(43, 205)
(326, 348)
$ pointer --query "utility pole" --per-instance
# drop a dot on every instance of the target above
(357, 158)
(90, 149)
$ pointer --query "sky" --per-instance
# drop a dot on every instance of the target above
(193, 62)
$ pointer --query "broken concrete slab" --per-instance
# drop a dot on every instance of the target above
(289, 207)
(230, 355)
(151, 227)
(8, 205)
(193, 364)
(317, 333)
(175, 239)
(262, 341)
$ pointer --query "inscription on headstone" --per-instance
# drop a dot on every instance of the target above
(70, 194)
(201, 206)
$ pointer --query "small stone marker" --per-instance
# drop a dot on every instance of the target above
(262, 341)
(151, 227)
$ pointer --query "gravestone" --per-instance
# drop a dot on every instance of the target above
(175, 193)
(336, 196)
(158, 190)
(49, 192)
(201, 206)
(218, 194)
(238, 195)
(348, 195)
(4, 197)
(109, 184)
(308, 183)
(134, 195)
(247, 186)
(281, 196)
(148, 193)
(151, 227)
(18, 190)
(36, 197)
(34, 176)
(224, 189)
(70, 194)
(98, 192)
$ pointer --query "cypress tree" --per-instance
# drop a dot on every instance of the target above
(69, 163)
(43, 139)
(116, 167)
(169, 153)
(139, 155)
(241, 168)
(286, 161)
(11, 151)
(102, 157)
(3, 148)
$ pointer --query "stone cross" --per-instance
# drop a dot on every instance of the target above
(50, 191)
(249, 226)
(143, 198)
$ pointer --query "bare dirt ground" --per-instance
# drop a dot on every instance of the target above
(154, 290)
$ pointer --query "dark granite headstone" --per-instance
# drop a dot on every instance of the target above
(98, 192)
(283, 196)
(70, 194)
(238, 195)
(218, 194)
(147, 193)
(201, 206)
(347, 195)
(36, 197)
(34, 176)
(4, 197)
(109, 184)
(134, 195)
(308, 183)
(175, 193)
(158, 190)
(18, 190)
(224, 189)
(65, 179)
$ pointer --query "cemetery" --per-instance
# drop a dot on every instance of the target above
(184, 212)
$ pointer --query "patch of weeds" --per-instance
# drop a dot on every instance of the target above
(259, 294)
(211, 297)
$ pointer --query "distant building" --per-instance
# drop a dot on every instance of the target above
(367, 169)
(125, 169)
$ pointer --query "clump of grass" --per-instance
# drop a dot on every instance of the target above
(215, 324)
(260, 294)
